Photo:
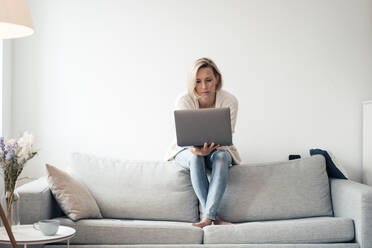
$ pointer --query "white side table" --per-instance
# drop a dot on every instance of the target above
(27, 235)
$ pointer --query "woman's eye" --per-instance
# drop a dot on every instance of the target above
(208, 80)
(197, 82)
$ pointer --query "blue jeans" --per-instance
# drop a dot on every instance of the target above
(209, 193)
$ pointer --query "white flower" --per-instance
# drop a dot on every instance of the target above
(27, 138)
(25, 143)
(11, 142)
(21, 160)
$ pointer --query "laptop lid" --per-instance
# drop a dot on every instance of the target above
(194, 127)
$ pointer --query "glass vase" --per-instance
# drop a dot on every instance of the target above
(10, 204)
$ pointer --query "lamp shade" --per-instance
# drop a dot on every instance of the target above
(15, 19)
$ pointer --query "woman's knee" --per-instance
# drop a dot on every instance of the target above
(187, 159)
(222, 156)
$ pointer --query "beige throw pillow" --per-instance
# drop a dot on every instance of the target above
(73, 197)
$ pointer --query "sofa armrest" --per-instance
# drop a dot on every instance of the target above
(37, 202)
(354, 200)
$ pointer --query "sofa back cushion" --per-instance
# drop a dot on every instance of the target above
(137, 189)
(277, 190)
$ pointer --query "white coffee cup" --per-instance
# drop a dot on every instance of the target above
(47, 227)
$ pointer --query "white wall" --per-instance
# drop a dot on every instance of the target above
(367, 143)
(101, 76)
(6, 102)
(2, 85)
(5, 92)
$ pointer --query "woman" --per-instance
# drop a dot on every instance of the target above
(205, 83)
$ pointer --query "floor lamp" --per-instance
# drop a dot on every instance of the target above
(15, 22)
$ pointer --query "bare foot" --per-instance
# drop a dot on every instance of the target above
(204, 222)
(219, 221)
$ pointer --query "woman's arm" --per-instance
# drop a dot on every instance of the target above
(184, 102)
(233, 104)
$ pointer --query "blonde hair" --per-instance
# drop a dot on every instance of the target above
(198, 64)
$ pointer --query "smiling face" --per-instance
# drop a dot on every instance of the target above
(205, 86)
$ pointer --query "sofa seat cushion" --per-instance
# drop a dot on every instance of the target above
(338, 245)
(116, 231)
(306, 230)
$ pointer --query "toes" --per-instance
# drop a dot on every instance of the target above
(202, 224)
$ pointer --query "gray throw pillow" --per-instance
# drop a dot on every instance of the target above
(73, 197)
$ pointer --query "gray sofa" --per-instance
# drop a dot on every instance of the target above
(152, 204)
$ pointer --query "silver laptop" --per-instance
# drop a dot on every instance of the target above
(194, 127)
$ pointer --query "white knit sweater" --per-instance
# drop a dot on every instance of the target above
(223, 99)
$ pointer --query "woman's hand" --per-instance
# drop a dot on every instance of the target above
(205, 150)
